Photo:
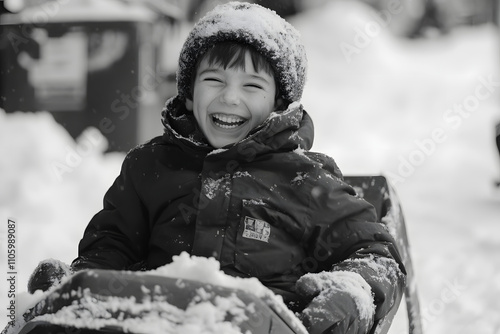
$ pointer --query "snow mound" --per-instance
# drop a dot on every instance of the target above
(207, 270)
(51, 186)
(351, 32)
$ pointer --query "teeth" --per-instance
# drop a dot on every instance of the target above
(228, 121)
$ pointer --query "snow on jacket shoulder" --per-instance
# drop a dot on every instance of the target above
(265, 207)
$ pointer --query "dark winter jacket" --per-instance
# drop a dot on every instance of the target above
(264, 207)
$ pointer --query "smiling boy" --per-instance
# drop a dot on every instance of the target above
(232, 96)
(232, 178)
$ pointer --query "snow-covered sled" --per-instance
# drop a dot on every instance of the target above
(378, 191)
(106, 301)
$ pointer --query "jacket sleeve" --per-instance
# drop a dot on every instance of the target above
(347, 237)
(116, 237)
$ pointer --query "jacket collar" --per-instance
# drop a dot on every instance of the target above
(284, 131)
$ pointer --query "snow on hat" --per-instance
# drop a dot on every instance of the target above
(273, 37)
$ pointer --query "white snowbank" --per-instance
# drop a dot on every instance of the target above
(51, 185)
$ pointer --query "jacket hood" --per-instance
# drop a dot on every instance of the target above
(284, 131)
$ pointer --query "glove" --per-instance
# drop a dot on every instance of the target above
(48, 273)
(341, 303)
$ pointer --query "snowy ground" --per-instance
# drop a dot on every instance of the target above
(421, 112)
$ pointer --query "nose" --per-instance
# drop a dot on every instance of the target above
(230, 95)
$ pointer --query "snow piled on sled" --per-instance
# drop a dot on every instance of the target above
(154, 313)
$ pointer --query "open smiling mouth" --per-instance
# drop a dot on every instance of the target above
(227, 121)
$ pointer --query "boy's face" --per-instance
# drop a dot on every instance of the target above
(229, 103)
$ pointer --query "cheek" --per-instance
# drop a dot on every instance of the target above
(198, 111)
(203, 97)
(267, 107)
(198, 103)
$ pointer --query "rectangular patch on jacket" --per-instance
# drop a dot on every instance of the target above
(256, 229)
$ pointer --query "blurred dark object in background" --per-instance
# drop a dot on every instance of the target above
(284, 8)
(432, 21)
(109, 64)
(456, 13)
(405, 18)
(3, 9)
(424, 18)
(497, 134)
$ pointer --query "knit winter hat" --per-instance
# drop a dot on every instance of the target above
(273, 37)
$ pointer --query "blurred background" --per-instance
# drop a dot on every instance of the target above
(403, 88)
(96, 63)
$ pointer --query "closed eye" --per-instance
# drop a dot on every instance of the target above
(212, 79)
(252, 85)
